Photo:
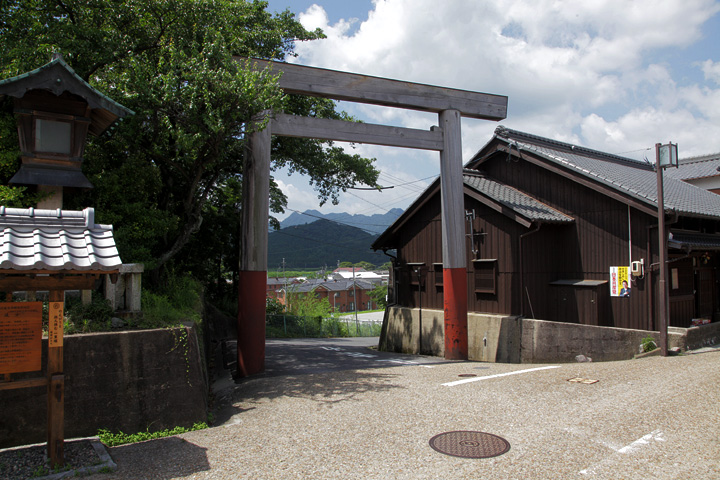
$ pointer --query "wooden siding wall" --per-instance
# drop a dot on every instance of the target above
(420, 241)
(583, 250)
(597, 240)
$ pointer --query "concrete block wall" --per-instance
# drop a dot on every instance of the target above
(548, 342)
(130, 381)
(403, 326)
(508, 339)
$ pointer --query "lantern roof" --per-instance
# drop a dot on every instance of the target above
(58, 77)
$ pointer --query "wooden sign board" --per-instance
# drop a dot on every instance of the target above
(20, 337)
(56, 322)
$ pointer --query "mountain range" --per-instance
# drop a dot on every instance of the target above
(319, 244)
(374, 224)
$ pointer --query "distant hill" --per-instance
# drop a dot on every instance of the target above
(375, 224)
(321, 243)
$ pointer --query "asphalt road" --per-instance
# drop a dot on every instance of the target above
(337, 409)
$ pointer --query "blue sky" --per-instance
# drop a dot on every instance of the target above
(613, 75)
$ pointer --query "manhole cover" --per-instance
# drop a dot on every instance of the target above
(587, 381)
(469, 444)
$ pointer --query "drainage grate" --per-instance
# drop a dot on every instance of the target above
(469, 444)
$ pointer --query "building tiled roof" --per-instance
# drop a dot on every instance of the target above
(55, 240)
(693, 241)
(512, 198)
(696, 167)
(634, 178)
(331, 285)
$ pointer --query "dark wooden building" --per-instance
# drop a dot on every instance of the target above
(546, 222)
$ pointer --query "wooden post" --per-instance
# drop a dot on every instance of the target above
(252, 278)
(56, 381)
(453, 238)
(662, 244)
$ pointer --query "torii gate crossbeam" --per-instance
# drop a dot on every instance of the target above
(450, 104)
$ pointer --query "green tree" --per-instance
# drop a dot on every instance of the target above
(379, 295)
(273, 306)
(365, 265)
(169, 177)
(308, 305)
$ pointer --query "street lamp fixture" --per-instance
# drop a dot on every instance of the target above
(55, 111)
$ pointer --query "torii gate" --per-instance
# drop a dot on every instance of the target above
(449, 104)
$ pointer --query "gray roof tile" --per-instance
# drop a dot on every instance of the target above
(696, 167)
(33, 239)
(512, 198)
(637, 179)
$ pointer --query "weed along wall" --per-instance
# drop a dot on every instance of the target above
(131, 381)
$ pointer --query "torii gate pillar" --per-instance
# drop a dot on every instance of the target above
(252, 277)
(453, 238)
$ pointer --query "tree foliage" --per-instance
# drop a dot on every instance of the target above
(308, 304)
(169, 177)
(379, 295)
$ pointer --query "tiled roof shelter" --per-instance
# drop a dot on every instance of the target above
(44, 243)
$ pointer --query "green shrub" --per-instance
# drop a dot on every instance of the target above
(114, 439)
(93, 317)
(648, 344)
(179, 300)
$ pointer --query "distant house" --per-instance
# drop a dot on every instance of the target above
(702, 171)
(343, 295)
(552, 230)
(276, 284)
(350, 273)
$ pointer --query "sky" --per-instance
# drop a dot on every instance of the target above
(614, 75)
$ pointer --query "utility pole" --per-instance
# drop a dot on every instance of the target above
(357, 324)
(665, 155)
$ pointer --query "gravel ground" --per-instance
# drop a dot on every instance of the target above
(651, 418)
(30, 462)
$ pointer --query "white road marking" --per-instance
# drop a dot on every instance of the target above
(655, 435)
(477, 379)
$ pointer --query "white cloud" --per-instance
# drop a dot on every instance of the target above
(598, 73)
(711, 70)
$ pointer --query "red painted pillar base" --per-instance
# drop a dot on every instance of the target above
(455, 298)
(251, 323)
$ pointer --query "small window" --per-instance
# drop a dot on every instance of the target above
(485, 276)
(438, 274)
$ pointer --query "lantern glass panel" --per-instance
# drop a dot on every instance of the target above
(52, 136)
(668, 155)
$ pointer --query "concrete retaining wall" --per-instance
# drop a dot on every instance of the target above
(130, 381)
(508, 339)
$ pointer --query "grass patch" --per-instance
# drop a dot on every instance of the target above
(114, 439)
